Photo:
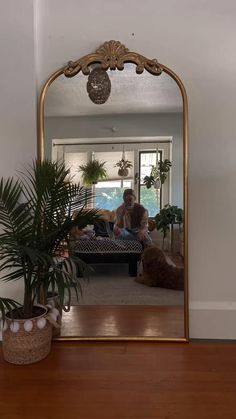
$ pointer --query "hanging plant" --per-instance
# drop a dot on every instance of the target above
(93, 171)
(124, 165)
(164, 168)
(158, 174)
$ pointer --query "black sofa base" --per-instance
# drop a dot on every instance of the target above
(130, 258)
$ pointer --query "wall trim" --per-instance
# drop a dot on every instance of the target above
(212, 305)
(212, 320)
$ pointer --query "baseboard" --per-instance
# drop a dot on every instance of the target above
(213, 341)
(212, 320)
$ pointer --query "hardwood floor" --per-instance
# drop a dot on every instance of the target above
(91, 380)
(124, 321)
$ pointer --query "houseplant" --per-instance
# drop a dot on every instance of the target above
(36, 215)
(167, 217)
(124, 166)
(93, 171)
(158, 174)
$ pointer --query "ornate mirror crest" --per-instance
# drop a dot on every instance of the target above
(113, 55)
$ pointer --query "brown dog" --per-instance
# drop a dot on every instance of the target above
(158, 273)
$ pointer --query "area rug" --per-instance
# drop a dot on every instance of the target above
(110, 284)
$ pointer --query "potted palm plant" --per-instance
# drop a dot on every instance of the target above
(93, 171)
(36, 215)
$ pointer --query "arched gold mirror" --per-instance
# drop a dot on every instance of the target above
(111, 106)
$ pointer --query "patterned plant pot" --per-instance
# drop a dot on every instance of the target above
(26, 341)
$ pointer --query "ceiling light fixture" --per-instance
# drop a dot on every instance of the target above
(98, 86)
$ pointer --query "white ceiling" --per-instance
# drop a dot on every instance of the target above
(130, 93)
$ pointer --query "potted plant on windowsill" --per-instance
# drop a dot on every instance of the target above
(36, 215)
(93, 171)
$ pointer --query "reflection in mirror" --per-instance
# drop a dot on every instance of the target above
(140, 122)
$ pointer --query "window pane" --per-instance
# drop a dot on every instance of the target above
(147, 160)
(73, 161)
(109, 194)
(150, 199)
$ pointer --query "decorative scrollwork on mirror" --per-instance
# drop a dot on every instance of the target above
(166, 139)
(112, 55)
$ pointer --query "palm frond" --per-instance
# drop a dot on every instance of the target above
(13, 215)
(6, 306)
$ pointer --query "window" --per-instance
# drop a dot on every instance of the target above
(109, 194)
(149, 198)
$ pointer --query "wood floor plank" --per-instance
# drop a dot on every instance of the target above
(91, 380)
(122, 320)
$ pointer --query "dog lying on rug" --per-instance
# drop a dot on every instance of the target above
(158, 273)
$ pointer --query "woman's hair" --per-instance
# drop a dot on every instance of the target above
(128, 192)
(137, 214)
(137, 211)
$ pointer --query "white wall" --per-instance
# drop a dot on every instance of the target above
(197, 40)
(17, 85)
(17, 95)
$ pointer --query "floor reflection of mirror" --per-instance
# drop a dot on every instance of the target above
(121, 321)
(113, 304)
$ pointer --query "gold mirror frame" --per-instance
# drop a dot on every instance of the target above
(113, 55)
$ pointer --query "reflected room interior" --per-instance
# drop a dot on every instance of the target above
(135, 118)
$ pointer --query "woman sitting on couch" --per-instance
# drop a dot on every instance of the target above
(132, 220)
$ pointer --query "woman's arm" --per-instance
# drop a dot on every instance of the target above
(120, 215)
(143, 226)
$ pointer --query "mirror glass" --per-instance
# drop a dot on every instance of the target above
(142, 122)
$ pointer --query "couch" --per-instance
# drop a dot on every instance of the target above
(100, 246)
